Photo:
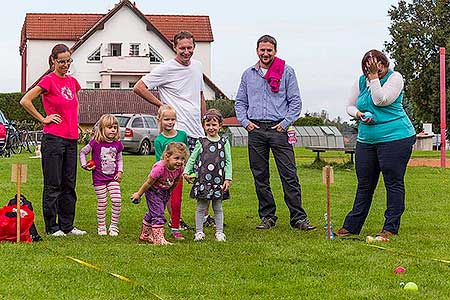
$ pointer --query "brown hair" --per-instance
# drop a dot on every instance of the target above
(376, 54)
(212, 114)
(161, 111)
(267, 39)
(180, 35)
(105, 121)
(176, 147)
(57, 49)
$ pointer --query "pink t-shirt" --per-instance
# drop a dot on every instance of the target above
(165, 178)
(60, 97)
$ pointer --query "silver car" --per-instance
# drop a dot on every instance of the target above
(138, 132)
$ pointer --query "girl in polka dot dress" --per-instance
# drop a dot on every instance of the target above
(213, 179)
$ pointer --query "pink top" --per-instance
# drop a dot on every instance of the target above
(60, 97)
(165, 178)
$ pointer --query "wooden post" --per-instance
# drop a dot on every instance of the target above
(18, 177)
(328, 178)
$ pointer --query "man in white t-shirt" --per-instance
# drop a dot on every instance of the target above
(180, 84)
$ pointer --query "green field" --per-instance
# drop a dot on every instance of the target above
(277, 264)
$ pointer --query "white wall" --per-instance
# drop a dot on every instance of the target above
(38, 52)
(202, 53)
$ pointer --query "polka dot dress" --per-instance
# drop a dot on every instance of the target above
(211, 171)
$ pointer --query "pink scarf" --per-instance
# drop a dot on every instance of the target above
(274, 73)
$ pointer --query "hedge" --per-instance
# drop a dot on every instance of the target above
(10, 106)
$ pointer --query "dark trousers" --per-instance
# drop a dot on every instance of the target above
(390, 159)
(260, 142)
(59, 167)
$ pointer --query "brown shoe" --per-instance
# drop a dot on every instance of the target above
(342, 232)
(385, 234)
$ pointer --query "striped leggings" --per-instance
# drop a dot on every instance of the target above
(113, 188)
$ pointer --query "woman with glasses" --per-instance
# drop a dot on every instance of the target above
(59, 142)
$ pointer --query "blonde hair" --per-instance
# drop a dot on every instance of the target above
(175, 147)
(105, 121)
(163, 109)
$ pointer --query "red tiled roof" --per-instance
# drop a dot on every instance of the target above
(71, 27)
(93, 103)
(231, 121)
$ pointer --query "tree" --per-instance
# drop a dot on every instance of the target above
(418, 29)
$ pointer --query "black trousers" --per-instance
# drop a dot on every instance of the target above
(390, 159)
(59, 167)
(260, 142)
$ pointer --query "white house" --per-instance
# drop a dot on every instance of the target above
(112, 50)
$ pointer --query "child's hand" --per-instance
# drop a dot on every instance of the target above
(226, 185)
(118, 176)
(135, 198)
(189, 178)
(87, 168)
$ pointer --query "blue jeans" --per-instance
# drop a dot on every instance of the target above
(390, 159)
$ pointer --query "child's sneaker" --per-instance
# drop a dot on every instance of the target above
(199, 236)
(184, 225)
(113, 230)
(177, 235)
(221, 237)
(101, 230)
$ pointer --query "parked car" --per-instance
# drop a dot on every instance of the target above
(138, 132)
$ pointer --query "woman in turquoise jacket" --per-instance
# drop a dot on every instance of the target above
(384, 144)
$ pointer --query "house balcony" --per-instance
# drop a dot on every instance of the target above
(132, 65)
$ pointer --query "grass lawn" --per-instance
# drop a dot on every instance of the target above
(277, 264)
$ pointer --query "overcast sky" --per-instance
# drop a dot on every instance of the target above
(323, 41)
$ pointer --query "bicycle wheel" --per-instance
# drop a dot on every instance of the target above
(15, 144)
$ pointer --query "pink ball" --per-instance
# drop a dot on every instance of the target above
(399, 270)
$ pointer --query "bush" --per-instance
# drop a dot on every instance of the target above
(226, 107)
(309, 121)
(10, 106)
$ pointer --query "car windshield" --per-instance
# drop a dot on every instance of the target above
(122, 120)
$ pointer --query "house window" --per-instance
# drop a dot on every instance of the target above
(131, 84)
(115, 84)
(93, 84)
(154, 56)
(95, 56)
(134, 50)
(115, 49)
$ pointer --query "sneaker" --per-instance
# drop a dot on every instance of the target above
(209, 222)
(58, 233)
(221, 237)
(76, 231)
(342, 232)
(199, 236)
(113, 230)
(304, 225)
(266, 223)
(101, 230)
(185, 226)
(177, 235)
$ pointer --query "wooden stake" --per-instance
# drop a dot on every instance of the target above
(19, 177)
(328, 178)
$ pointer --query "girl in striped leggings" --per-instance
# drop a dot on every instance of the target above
(106, 166)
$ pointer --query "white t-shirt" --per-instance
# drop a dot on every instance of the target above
(180, 87)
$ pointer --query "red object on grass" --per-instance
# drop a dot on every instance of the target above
(399, 270)
(90, 164)
(8, 221)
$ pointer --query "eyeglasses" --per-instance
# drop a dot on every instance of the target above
(63, 62)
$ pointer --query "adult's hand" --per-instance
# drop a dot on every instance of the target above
(360, 116)
(278, 128)
(53, 118)
(251, 126)
(372, 68)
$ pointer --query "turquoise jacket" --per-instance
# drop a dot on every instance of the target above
(390, 123)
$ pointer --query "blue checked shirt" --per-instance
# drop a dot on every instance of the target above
(256, 101)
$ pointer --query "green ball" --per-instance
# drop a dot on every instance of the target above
(411, 286)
